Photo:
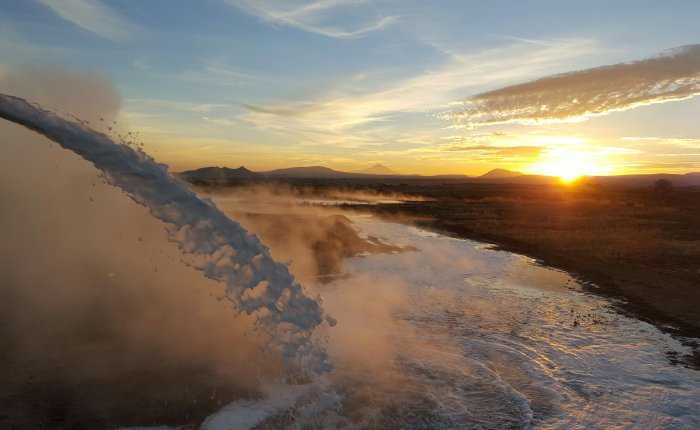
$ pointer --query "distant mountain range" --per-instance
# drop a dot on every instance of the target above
(318, 172)
(500, 173)
(225, 175)
(378, 169)
(218, 174)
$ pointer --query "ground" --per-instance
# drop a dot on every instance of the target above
(633, 244)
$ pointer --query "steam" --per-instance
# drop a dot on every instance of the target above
(93, 296)
(91, 288)
(672, 75)
(87, 95)
(101, 323)
(304, 225)
(217, 246)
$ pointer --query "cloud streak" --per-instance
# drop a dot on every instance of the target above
(505, 151)
(339, 111)
(575, 96)
(311, 16)
(93, 16)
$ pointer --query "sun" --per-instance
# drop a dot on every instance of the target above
(570, 165)
(569, 169)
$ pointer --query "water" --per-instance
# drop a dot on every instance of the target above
(215, 244)
(457, 335)
(453, 335)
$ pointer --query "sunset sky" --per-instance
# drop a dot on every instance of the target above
(421, 87)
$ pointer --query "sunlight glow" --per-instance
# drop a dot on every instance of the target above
(569, 164)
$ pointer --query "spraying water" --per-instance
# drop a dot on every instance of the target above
(216, 245)
(450, 336)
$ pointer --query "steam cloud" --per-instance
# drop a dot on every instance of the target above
(217, 246)
(94, 299)
(673, 75)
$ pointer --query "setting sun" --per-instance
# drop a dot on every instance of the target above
(570, 165)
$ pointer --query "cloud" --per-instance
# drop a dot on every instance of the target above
(339, 110)
(311, 16)
(508, 151)
(177, 105)
(93, 16)
(298, 110)
(689, 143)
(679, 167)
(575, 96)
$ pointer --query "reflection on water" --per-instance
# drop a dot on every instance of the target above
(457, 335)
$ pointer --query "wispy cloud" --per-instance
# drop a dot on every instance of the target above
(679, 167)
(339, 110)
(219, 73)
(693, 143)
(512, 151)
(177, 105)
(311, 16)
(673, 75)
(92, 16)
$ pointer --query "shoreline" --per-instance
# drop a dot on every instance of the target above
(626, 245)
(598, 283)
(594, 282)
(633, 246)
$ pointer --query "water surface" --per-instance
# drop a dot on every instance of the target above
(458, 335)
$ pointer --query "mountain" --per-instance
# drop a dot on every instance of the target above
(217, 174)
(378, 169)
(223, 175)
(309, 172)
(500, 173)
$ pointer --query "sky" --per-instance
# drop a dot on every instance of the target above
(440, 87)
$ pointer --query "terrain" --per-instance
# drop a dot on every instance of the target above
(227, 176)
(637, 244)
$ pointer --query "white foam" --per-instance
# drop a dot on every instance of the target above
(246, 414)
(520, 337)
(300, 401)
